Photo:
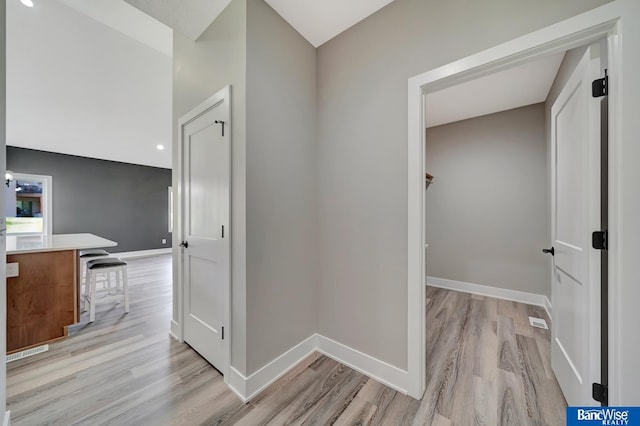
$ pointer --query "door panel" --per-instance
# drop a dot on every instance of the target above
(204, 191)
(205, 259)
(575, 213)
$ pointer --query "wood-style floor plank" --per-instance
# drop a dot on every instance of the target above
(485, 366)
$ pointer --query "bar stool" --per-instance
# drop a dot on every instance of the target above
(87, 255)
(105, 265)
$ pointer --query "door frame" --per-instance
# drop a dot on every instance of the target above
(599, 23)
(223, 96)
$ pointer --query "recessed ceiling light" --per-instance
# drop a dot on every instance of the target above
(160, 147)
(27, 3)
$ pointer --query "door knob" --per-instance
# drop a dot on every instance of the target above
(551, 251)
(184, 244)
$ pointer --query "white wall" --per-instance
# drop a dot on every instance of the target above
(486, 212)
(362, 152)
(76, 86)
(282, 256)
(3, 257)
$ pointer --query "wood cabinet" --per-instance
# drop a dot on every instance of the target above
(42, 299)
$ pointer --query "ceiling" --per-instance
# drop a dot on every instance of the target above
(515, 87)
(189, 17)
(76, 86)
(317, 20)
(321, 20)
(128, 20)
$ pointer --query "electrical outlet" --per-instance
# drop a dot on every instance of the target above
(13, 269)
(164, 241)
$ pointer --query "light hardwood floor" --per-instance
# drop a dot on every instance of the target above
(486, 366)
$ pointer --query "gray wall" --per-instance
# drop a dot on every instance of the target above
(201, 68)
(486, 213)
(362, 151)
(281, 192)
(122, 202)
(272, 71)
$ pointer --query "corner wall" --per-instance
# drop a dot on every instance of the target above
(486, 216)
(281, 192)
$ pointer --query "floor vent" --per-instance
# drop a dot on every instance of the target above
(27, 353)
(538, 323)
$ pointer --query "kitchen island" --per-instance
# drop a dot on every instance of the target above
(43, 289)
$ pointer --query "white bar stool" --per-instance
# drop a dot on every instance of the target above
(87, 255)
(105, 265)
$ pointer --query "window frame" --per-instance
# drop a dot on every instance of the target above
(47, 201)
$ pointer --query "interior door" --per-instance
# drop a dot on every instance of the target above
(575, 123)
(205, 233)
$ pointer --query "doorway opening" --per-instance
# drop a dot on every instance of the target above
(574, 33)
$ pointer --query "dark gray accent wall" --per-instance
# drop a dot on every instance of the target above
(122, 202)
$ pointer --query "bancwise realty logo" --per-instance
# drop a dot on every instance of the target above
(622, 416)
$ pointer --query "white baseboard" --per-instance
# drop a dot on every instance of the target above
(237, 382)
(548, 307)
(174, 331)
(249, 387)
(142, 253)
(378, 370)
(483, 290)
(7, 418)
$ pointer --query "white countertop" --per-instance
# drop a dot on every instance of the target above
(19, 244)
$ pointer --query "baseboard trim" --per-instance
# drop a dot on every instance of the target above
(7, 418)
(174, 331)
(249, 387)
(548, 307)
(142, 253)
(483, 290)
(238, 384)
(378, 370)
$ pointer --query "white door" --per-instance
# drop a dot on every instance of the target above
(575, 159)
(205, 175)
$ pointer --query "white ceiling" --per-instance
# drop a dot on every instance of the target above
(512, 88)
(128, 20)
(317, 20)
(189, 17)
(321, 20)
(77, 86)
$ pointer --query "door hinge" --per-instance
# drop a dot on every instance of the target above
(600, 393)
(600, 87)
(222, 333)
(600, 240)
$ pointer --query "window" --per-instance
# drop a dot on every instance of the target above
(28, 204)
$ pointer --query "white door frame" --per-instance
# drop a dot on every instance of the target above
(222, 96)
(577, 31)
